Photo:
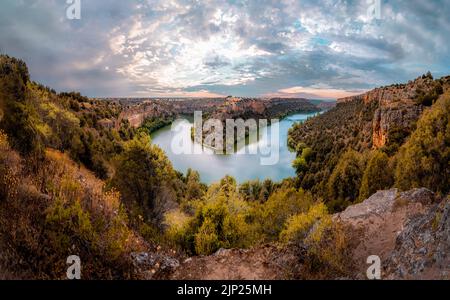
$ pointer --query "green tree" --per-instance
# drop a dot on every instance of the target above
(423, 161)
(377, 175)
(18, 115)
(300, 164)
(194, 188)
(345, 181)
(144, 176)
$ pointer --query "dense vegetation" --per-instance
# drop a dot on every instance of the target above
(151, 125)
(322, 144)
(423, 161)
(336, 159)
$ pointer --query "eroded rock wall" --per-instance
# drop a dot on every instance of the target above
(397, 107)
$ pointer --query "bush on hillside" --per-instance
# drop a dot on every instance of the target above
(424, 159)
(378, 175)
(345, 181)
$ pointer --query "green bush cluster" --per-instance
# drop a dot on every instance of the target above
(378, 175)
(146, 179)
(428, 98)
(321, 142)
(423, 161)
(219, 221)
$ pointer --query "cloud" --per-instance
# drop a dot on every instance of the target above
(183, 94)
(317, 92)
(246, 48)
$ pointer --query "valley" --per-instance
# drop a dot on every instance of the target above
(95, 178)
(137, 111)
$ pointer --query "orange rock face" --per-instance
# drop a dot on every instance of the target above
(396, 107)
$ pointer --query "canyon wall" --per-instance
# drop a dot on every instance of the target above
(220, 108)
(397, 107)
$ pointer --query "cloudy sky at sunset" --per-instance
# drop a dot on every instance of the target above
(314, 49)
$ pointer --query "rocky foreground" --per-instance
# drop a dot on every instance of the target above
(409, 231)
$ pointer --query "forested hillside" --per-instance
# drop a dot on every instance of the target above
(348, 153)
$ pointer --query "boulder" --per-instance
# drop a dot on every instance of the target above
(422, 249)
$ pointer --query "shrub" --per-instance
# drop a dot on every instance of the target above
(206, 239)
(330, 252)
(9, 169)
(194, 188)
(344, 184)
(327, 244)
(220, 222)
(299, 227)
(377, 175)
(281, 205)
(145, 178)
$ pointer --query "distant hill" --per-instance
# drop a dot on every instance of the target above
(324, 104)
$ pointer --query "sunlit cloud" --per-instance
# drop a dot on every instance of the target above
(179, 94)
(321, 49)
(315, 93)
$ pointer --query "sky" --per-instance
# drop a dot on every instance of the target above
(287, 48)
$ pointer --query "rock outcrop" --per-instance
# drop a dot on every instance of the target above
(409, 231)
(388, 118)
(255, 108)
(148, 265)
(422, 249)
(397, 107)
(261, 263)
(136, 114)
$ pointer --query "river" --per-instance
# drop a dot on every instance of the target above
(242, 165)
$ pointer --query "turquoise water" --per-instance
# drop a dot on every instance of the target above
(241, 165)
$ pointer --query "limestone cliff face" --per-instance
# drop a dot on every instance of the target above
(134, 116)
(386, 118)
(396, 107)
(255, 108)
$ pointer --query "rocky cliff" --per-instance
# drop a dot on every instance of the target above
(409, 231)
(398, 106)
(136, 114)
